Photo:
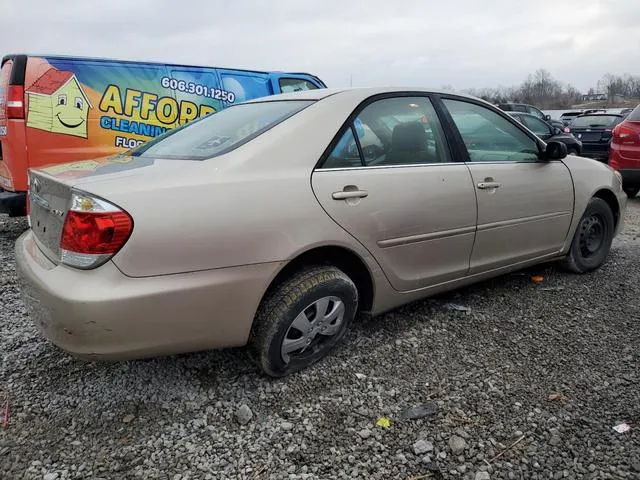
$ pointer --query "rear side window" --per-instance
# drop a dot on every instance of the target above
(634, 116)
(219, 132)
(398, 131)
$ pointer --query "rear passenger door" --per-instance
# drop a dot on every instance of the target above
(391, 182)
(525, 205)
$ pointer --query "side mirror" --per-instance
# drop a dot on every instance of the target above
(555, 151)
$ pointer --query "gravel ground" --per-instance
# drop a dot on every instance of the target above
(484, 377)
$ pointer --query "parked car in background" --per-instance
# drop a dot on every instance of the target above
(567, 117)
(624, 154)
(273, 222)
(56, 109)
(594, 131)
(524, 108)
(594, 110)
(548, 132)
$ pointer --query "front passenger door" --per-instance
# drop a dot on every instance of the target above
(525, 205)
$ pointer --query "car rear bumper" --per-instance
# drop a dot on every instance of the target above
(13, 203)
(103, 314)
(595, 150)
(630, 177)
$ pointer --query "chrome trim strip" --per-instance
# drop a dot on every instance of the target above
(394, 242)
(516, 221)
(380, 167)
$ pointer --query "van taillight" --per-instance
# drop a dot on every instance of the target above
(94, 230)
(15, 102)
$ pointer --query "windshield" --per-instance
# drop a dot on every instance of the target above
(595, 121)
(219, 132)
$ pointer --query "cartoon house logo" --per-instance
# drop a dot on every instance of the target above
(58, 104)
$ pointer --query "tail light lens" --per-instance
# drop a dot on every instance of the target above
(94, 230)
(15, 102)
(623, 132)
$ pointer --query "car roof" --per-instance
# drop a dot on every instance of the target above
(355, 93)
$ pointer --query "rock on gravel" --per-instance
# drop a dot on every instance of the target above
(489, 372)
(457, 444)
(422, 447)
(244, 414)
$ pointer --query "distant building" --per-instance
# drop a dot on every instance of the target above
(594, 97)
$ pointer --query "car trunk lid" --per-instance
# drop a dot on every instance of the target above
(48, 202)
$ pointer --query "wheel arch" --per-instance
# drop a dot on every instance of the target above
(330, 255)
(611, 199)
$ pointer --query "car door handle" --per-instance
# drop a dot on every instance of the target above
(486, 185)
(345, 194)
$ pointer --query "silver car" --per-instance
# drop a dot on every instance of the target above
(273, 223)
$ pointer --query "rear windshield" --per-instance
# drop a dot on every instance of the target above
(219, 132)
(634, 116)
(595, 121)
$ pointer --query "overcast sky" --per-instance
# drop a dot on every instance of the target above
(462, 43)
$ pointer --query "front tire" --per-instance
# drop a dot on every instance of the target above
(592, 240)
(631, 191)
(302, 319)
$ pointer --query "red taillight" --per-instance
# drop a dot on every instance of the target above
(95, 233)
(15, 102)
(623, 132)
(94, 230)
(567, 130)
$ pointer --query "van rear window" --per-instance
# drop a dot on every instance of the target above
(219, 132)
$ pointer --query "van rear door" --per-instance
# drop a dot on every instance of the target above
(13, 148)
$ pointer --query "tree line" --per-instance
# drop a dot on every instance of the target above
(544, 91)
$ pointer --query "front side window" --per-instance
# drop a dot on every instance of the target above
(219, 132)
(295, 85)
(537, 126)
(488, 136)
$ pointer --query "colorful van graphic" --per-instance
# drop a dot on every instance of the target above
(56, 109)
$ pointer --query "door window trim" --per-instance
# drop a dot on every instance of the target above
(348, 123)
(455, 133)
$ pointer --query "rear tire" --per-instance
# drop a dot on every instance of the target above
(302, 319)
(592, 240)
(631, 191)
